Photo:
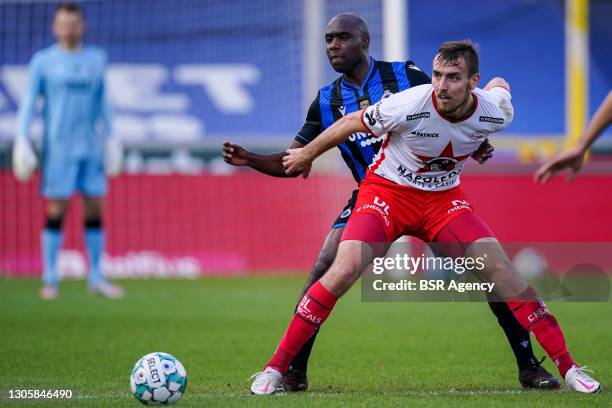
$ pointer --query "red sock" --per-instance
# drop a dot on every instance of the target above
(533, 315)
(312, 311)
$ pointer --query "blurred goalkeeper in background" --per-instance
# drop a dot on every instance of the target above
(69, 76)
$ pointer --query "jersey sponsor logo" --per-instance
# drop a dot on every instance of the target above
(380, 206)
(458, 205)
(538, 314)
(418, 116)
(79, 84)
(371, 120)
(412, 66)
(304, 311)
(490, 119)
(372, 140)
(424, 134)
(428, 182)
(377, 116)
(366, 139)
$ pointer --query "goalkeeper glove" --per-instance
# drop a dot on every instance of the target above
(24, 159)
(113, 157)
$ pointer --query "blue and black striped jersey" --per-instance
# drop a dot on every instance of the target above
(341, 97)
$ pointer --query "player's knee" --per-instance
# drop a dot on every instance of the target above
(341, 277)
(93, 211)
(346, 272)
(57, 209)
(323, 263)
(54, 222)
(93, 221)
(328, 254)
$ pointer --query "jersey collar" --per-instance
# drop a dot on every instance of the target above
(365, 80)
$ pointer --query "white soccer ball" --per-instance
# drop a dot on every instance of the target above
(158, 378)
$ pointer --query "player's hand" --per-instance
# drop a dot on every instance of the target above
(24, 159)
(234, 154)
(497, 82)
(296, 162)
(113, 156)
(484, 152)
(571, 159)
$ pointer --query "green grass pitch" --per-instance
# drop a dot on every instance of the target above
(224, 330)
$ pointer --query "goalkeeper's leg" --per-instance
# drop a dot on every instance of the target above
(50, 242)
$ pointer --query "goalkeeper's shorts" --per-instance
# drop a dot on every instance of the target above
(61, 177)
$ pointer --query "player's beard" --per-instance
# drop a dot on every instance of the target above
(452, 112)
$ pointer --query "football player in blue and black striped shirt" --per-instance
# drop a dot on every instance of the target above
(364, 81)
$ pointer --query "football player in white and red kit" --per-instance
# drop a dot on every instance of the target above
(363, 82)
(413, 188)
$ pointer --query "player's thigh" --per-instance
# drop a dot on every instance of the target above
(92, 206)
(56, 208)
(91, 179)
(443, 208)
(468, 235)
(59, 177)
(352, 259)
(380, 203)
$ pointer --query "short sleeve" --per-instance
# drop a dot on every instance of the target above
(503, 101)
(313, 125)
(381, 117)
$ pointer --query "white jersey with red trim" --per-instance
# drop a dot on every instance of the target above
(425, 149)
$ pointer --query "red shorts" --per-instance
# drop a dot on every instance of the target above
(404, 210)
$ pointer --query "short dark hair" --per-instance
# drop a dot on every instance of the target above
(70, 7)
(450, 52)
(360, 24)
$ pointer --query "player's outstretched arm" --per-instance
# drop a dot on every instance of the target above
(270, 163)
(298, 161)
(573, 158)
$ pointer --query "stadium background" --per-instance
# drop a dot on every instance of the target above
(186, 75)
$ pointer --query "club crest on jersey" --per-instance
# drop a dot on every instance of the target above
(438, 164)
(446, 161)
(364, 103)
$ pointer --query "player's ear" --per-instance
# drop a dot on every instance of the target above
(365, 42)
(474, 80)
